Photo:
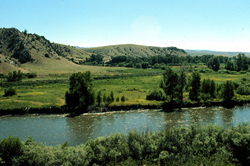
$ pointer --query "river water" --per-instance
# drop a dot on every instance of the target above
(57, 129)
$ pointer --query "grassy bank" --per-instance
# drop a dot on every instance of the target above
(134, 84)
(195, 145)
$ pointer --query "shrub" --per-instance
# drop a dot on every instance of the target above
(9, 148)
(123, 98)
(243, 90)
(30, 75)
(156, 95)
(10, 92)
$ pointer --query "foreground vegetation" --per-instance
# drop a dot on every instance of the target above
(195, 145)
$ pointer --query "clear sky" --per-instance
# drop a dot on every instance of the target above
(220, 25)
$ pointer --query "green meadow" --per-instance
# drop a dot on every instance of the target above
(134, 84)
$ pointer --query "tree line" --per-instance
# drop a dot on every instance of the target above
(173, 85)
(238, 63)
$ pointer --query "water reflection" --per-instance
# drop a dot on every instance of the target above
(55, 129)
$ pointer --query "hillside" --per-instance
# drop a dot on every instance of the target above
(134, 50)
(216, 53)
(34, 53)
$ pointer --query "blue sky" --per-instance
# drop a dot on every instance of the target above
(220, 25)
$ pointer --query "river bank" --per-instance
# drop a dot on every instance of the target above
(168, 107)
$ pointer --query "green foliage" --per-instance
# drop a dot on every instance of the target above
(195, 145)
(117, 99)
(94, 60)
(104, 98)
(112, 96)
(30, 75)
(208, 89)
(227, 91)
(243, 90)
(156, 95)
(14, 76)
(123, 99)
(10, 92)
(194, 92)
(170, 83)
(99, 98)
(80, 94)
(241, 63)
(9, 149)
(214, 64)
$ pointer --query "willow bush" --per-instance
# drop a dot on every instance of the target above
(195, 145)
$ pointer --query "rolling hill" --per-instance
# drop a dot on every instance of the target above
(216, 53)
(34, 53)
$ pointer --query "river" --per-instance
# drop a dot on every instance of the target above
(57, 129)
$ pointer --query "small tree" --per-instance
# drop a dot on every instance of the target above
(99, 98)
(80, 94)
(123, 98)
(117, 99)
(170, 83)
(182, 83)
(112, 97)
(194, 92)
(227, 91)
(10, 92)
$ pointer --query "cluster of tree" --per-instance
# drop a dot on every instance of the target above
(173, 84)
(213, 63)
(194, 145)
(81, 95)
(158, 62)
(30, 75)
(10, 92)
(240, 63)
(14, 76)
(106, 99)
(94, 59)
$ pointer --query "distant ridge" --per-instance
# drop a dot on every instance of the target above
(216, 53)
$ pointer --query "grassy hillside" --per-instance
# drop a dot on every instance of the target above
(33, 53)
(134, 50)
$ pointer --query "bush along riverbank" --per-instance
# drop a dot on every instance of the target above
(195, 145)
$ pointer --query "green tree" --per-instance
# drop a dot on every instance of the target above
(182, 83)
(117, 99)
(227, 91)
(80, 94)
(112, 96)
(212, 89)
(99, 98)
(15, 76)
(194, 92)
(214, 64)
(123, 98)
(10, 92)
(241, 62)
(170, 83)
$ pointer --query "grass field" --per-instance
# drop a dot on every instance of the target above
(134, 84)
